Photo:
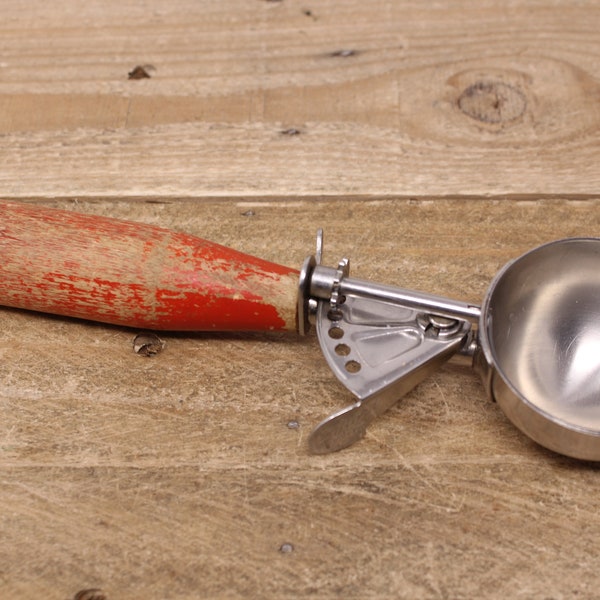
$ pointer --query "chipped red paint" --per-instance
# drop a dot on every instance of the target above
(136, 275)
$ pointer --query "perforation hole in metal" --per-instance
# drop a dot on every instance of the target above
(336, 332)
(342, 350)
(353, 366)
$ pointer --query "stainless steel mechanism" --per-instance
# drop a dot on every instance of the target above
(535, 342)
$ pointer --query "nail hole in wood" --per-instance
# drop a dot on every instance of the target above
(291, 131)
(90, 594)
(344, 53)
(148, 344)
(140, 72)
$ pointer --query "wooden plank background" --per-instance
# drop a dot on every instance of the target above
(433, 143)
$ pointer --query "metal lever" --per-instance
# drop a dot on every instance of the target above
(379, 341)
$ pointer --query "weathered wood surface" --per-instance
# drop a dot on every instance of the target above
(186, 475)
(183, 475)
(388, 97)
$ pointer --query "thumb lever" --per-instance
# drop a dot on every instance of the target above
(380, 342)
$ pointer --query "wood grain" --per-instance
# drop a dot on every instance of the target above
(186, 475)
(260, 98)
(433, 143)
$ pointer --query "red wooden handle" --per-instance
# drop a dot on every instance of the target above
(137, 275)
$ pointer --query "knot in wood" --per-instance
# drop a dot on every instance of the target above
(492, 102)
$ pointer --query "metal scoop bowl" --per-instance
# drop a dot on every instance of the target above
(539, 338)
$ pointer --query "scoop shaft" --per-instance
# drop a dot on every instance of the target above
(137, 275)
